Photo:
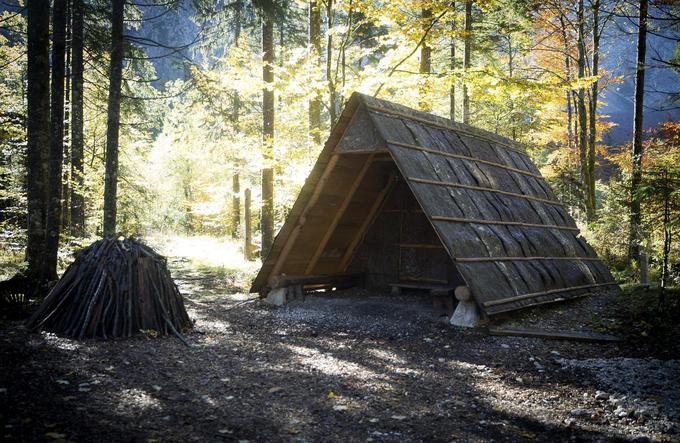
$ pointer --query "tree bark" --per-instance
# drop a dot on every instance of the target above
(77, 138)
(267, 216)
(56, 139)
(315, 56)
(452, 65)
(66, 159)
(638, 122)
(581, 111)
(332, 99)
(425, 63)
(236, 111)
(467, 48)
(113, 118)
(38, 133)
(235, 205)
(248, 237)
(594, 92)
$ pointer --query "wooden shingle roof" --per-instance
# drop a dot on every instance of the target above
(509, 237)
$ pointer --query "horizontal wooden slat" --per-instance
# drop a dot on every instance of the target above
(481, 188)
(504, 301)
(491, 259)
(503, 223)
(449, 127)
(463, 157)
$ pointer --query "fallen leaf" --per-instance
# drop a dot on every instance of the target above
(68, 398)
(55, 435)
(275, 389)
(156, 387)
(63, 382)
(399, 417)
(331, 395)
(340, 408)
(374, 420)
(225, 431)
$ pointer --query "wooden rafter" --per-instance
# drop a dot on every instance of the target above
(493, 259)
(504, 301)
(338, 215)
(463, 157)
(377, 204)
(502, 223)
(481, 188)
(303, 216)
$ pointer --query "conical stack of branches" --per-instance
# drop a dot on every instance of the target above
(114, 288)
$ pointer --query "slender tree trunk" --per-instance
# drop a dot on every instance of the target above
(332, 99)
(467, 48)
(315, 56)
(236, 179)
(38, 132)
(267, 216)
(248, 237)
(666, 230)
(237, 36)
(235, 205)
(56, 139)
(594, 92)
(77, 139)
(452, 66)
(113, 120)
(638, 123)
(425, 63)
(582, 115)
(66, 161)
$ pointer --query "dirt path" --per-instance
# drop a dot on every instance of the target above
(360, 368)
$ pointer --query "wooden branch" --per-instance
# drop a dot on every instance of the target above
(455, 128)
(503, 223)
(480, 188)
(349, 253)
(463, 157)
(338, 215)
(303, 216)
(539, 294)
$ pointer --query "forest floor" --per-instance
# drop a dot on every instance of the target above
(355, 367)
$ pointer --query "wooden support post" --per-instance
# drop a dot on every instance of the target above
(377, 204)
(338, 215)
(303, 217)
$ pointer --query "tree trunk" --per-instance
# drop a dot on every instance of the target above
(315, 56)
(237, 36)
(235, 206)
(248, 237)
(594, 92)
(582, 116)
(638, 122)
(467, 48)
(452, 65)
(38, 132)
(425, 63)
(329, 64)
(267, 216)
(667, 190)
(56, 139)
(77, 138)
(113, 120)
(66, 159)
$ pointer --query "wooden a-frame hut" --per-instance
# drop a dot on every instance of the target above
(405, 197)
